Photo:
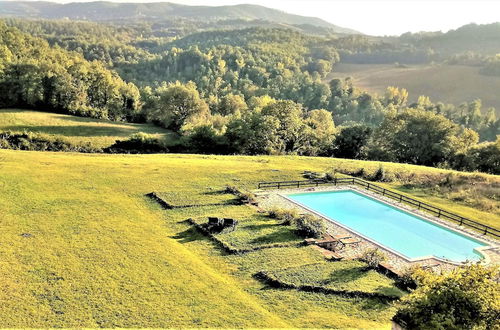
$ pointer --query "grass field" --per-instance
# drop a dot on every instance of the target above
(446, 83)
(83, 247)
(76, 130)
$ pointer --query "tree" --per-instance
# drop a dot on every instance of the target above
(205, 140)
(420, 137)
(232, 105)
(322, 131)
(466, 298)
(254, 134)
(485, 157)
(351, 142)
(178, 104)
(395, 96)
(291, 126)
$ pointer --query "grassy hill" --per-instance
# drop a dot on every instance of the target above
(447, 83)
(83, 247)
(76, 130)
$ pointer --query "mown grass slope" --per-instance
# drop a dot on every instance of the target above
(75, 130)
(446, 83)
(83, 247)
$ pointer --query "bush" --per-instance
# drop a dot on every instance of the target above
(373, 257)
(138, 143)
(380, 175)
(407, 280)
(38, 142)
(309, 226)
(205, 140)
(231, 190)
(287, 217)
(247, 198)
(466, 298)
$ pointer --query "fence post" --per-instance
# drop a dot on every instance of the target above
(278, 185)
(400, 198)
(368, 187)
(419, 205)
(461, 221)
(298, 184)
(485, 230)
(439, 214)
(335, 181)
(383, 192)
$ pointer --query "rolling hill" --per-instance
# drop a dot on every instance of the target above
(160, 11)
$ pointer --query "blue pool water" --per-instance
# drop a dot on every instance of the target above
(403, 232)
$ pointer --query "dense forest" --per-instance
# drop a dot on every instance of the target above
(252, 90)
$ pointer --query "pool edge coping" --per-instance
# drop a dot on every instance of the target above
(489, 245)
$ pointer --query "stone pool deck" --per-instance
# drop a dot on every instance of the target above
(269, 199)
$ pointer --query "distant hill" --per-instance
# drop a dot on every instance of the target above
(477, 38)
(160, 11)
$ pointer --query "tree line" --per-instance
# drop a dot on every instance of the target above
(252, 91)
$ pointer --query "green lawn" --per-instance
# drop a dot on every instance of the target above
(76, 130)
(347, 275)
(101, 254)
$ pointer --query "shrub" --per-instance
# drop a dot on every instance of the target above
(231, 190)
(247, 198)
(39, 142)
(406, 280)
(380, 175)
(373, 257)
(138, 143)
(330, 176)
(309, 226)
(288, 217)
(466, 298)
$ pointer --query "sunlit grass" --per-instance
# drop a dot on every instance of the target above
(103, 254)
(75, 130)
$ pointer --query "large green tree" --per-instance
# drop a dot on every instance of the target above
(420, 137)
(178, 105)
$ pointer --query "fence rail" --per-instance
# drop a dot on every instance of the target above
(462, 221)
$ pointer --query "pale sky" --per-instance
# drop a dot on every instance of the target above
(375, 17)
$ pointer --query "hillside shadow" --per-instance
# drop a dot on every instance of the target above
(345, 275)
(189, 235)
(279, 236)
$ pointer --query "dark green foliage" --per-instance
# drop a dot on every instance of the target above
(420, 137)
(138, 143)
(380, 174)
(351, 142)
(204, 140)
(37, 142)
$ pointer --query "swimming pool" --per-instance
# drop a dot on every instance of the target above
(404, 233)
